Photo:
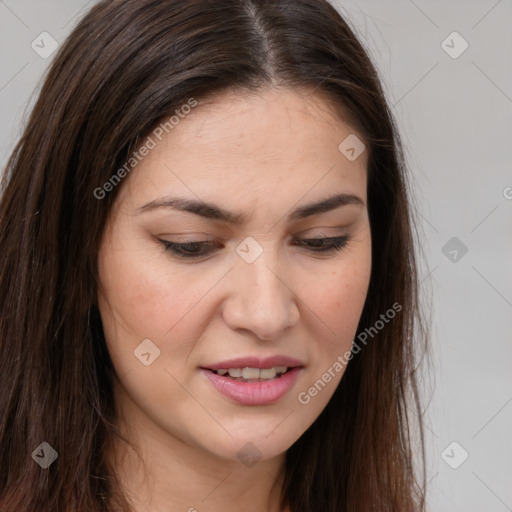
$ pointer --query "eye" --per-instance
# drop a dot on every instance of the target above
(201, 248)
(189, 249)
(326, 244)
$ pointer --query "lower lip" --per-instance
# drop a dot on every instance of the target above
(254, 393)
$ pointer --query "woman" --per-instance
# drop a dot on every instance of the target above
(208, 292)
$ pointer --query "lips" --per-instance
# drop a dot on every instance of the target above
(254, 392)
(264, 391)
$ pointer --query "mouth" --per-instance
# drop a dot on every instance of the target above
(253, 381)
(249, 374)
(250, 368)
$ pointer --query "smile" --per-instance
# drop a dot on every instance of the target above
(249, 374)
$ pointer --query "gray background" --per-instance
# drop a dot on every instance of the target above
(455, 116)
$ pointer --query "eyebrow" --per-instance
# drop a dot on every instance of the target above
(214, 212)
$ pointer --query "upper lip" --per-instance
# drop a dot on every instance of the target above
(255, 362)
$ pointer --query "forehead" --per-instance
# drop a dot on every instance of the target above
(266, 121)
(257, 146)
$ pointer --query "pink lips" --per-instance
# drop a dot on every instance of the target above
(256, 392)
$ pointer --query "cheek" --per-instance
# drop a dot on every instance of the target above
(140, 300)
(337, 300)
(147, 297)
(350, 296)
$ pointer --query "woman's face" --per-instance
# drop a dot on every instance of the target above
(258, 295)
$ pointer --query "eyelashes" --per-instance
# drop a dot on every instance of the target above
(191, 250)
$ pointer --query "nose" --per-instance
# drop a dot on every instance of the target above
(261, 298)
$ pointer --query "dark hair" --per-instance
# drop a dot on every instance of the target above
(126, 66)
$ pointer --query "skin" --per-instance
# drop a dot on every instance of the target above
(262, 155)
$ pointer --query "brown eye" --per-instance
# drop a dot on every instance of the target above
(189, 249)
(206, 247)
(325, 244)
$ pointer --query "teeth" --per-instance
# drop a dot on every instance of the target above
(268, 373)
(253, 373)
(235, 372)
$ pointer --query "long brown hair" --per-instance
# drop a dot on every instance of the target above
(127, 65)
